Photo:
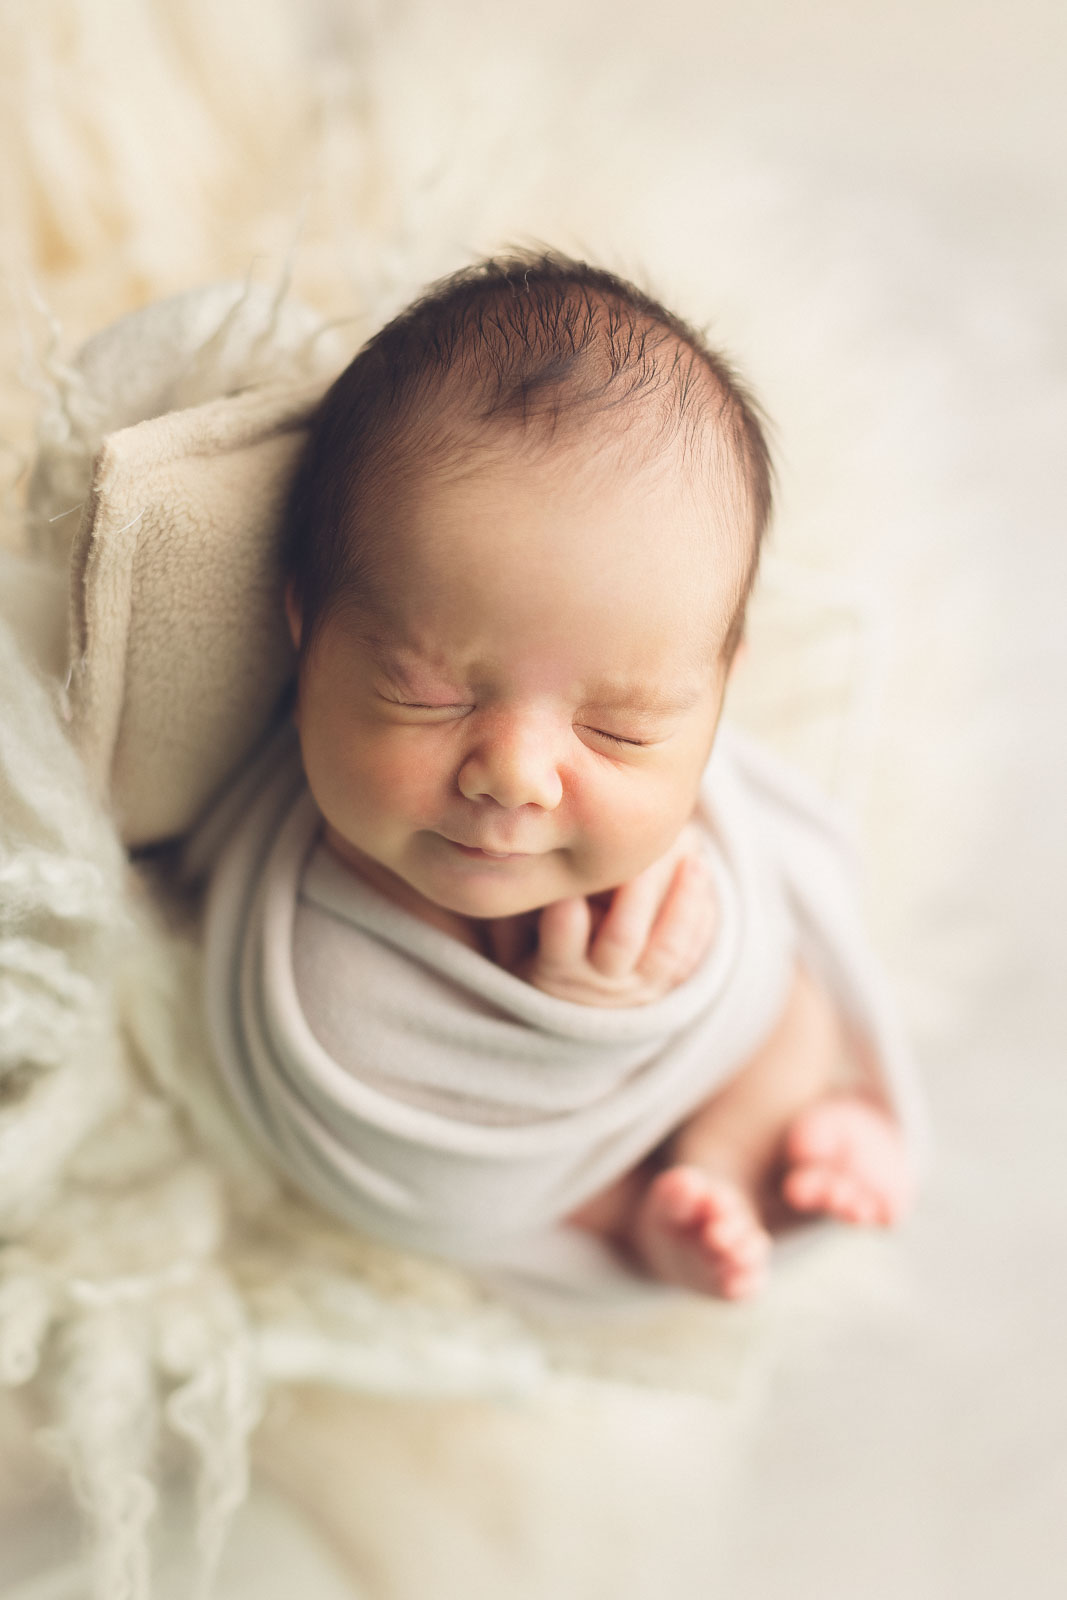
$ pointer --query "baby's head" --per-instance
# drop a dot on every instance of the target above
(519, 548)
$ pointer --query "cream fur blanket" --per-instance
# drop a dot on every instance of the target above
(159, 1281)
(435, 1100)
(884, 259)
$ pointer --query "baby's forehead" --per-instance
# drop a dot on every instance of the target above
(543, 356)
(638, 453)
(576, 536)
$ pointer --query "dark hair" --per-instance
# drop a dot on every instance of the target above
(528, 342)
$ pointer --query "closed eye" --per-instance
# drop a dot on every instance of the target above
(616, 738)
(422, 705)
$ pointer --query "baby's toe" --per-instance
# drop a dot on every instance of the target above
(846, 1157)
(728, 1230)
(738, 1240)
(740, 1282)
(679, 1197)
(823, 1189)
(700, 1231)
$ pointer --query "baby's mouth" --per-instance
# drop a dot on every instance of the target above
(477, 853)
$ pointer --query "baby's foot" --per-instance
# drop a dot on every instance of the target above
(701, 1232)
(845, 1158)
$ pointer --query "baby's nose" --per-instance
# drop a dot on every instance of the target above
(515, 764)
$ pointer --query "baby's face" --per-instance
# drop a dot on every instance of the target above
(525, 712)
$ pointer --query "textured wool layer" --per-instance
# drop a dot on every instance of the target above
(152, 1249)
(159, 1281)
(149, 1280)
(828, 189)
(150, 1290)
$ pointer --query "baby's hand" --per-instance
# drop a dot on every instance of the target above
(653, 935)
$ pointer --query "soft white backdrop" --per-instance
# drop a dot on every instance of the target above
(866, 204)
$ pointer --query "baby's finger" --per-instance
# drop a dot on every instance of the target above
(683, 930)
(623, 934)
(563, 933)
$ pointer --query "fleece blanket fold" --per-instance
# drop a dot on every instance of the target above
(440, 1103)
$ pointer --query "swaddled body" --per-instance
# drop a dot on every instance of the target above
(520, 547)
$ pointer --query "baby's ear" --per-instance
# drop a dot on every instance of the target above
(292, 612)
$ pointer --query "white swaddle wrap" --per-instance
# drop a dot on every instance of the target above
(438, 1102)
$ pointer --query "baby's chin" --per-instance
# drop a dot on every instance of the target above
(493, 890)
(492, 901)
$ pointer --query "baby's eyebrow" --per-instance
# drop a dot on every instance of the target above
(390, 648)
(399, 658)
(640, 698)
(403, 663)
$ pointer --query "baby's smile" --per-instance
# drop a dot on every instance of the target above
(476, 853)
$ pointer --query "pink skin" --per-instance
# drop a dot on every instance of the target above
(844, 1159)
(509, 745)
(786, 1139)
(700, 1231)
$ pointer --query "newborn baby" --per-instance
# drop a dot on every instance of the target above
(519, 550)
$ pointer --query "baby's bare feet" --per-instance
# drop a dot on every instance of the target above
(701, 1232)
(845, 1158)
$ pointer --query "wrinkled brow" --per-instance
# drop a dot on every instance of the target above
(646, 701)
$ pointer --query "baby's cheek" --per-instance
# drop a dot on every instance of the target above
(400, 781)
(343, 779)
(602, 847)
(632, 830)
